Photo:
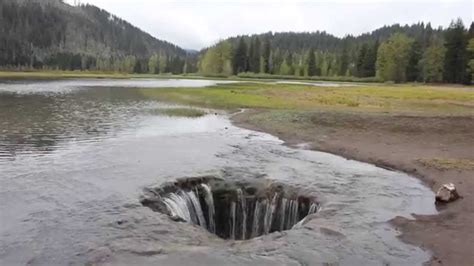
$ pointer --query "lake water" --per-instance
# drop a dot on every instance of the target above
(76, 155)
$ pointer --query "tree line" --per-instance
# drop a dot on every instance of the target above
(50, 34)
(416, 53)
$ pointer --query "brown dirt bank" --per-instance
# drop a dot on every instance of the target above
(436, 149)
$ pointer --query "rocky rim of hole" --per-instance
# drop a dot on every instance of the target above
(233, 209)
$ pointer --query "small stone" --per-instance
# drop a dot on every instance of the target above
(447, 193)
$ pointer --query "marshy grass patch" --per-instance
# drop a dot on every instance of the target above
(180, 112)
(382, 97)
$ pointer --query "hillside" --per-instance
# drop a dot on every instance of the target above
(53, 34)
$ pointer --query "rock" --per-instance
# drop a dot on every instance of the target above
(447, 193)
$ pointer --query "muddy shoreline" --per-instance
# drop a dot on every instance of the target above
(435, 149)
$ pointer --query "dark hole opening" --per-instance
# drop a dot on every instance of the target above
(232, 209)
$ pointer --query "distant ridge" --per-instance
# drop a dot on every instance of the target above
(54, 34)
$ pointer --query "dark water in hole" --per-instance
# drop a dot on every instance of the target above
(76, 155)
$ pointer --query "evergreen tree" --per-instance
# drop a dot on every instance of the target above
(252, 62)
(455, 61)
(266, 56)
(289, 61)
(361, 60)
(312, 71)
(427, 35)
(344, 60)
(254, 55)
(370, 60)
(413, 68)
(240, 59)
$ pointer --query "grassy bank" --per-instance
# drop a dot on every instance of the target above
(249, 75)
(383, 98)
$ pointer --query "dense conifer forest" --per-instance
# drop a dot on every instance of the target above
(52, 35)
(416, 53)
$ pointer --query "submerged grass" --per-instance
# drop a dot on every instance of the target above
(379, 97)
(181, 112)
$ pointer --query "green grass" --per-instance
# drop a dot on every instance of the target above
(181, 112)
(249, 75)
(377, 97)
(448, 164)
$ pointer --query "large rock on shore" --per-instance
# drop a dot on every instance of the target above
(447, 193)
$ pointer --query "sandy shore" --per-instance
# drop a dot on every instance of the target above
(436, 149)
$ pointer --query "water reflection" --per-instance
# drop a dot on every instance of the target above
(39, 123)
(37, 118)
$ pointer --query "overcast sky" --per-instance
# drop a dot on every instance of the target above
(200, 23)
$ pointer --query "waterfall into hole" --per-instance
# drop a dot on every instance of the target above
(210, 207)
(234, 210)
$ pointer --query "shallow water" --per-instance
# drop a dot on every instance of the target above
(75, 156)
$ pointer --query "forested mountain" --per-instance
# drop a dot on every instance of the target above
(54, 35)
(391, 53)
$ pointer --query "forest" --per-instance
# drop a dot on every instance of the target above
(52, 35)
(416, 53)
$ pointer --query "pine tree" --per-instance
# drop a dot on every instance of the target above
(240, 59)
(266, 56)
(251, 53)
(455, 62)
(361, 58)
(344, 65)
(312, 71)
(254, 55)
(413, 68)
(370, 60)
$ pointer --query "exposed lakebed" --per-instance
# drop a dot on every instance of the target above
(77, 155)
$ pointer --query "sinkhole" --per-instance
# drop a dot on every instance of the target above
(232, 209)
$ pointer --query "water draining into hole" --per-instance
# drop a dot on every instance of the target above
(236, 210)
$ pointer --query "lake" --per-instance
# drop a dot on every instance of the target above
(76, 156)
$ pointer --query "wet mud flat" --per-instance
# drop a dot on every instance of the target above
(436, 149)
(76, 160)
